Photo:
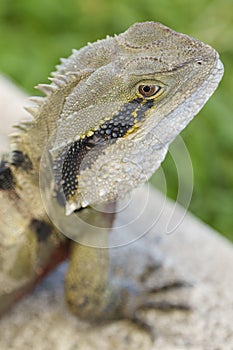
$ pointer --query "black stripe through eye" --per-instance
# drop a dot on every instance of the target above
(78, 156)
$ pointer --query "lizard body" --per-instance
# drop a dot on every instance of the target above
(103, 128)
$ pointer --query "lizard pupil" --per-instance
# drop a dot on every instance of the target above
(148, 90)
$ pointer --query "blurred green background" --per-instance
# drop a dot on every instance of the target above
(34, 34)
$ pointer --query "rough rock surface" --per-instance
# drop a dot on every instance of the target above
(197, 253)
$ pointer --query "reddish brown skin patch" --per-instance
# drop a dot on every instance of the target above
(60, 254)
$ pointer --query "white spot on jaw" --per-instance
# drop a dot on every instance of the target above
(70, 208)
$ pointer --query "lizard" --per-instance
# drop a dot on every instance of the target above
(103, 127)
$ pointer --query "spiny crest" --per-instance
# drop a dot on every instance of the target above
(22, 127)
(47, 89)
(58, 81)
(38, 105)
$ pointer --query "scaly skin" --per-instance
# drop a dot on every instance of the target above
(103, 128)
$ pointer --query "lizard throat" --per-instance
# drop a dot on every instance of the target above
(81, 154)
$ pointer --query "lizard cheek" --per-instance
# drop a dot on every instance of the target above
(82, 154)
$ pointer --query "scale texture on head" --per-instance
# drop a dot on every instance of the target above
(112, 109)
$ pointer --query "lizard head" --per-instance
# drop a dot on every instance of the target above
(133, 95)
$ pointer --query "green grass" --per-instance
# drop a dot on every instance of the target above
(35, 33)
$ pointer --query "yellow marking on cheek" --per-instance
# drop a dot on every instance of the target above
(89, 133)
(120, 124)
(134, 113)
(136, 125)
(133, 129)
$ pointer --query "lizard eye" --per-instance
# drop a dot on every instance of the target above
(148, 90)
